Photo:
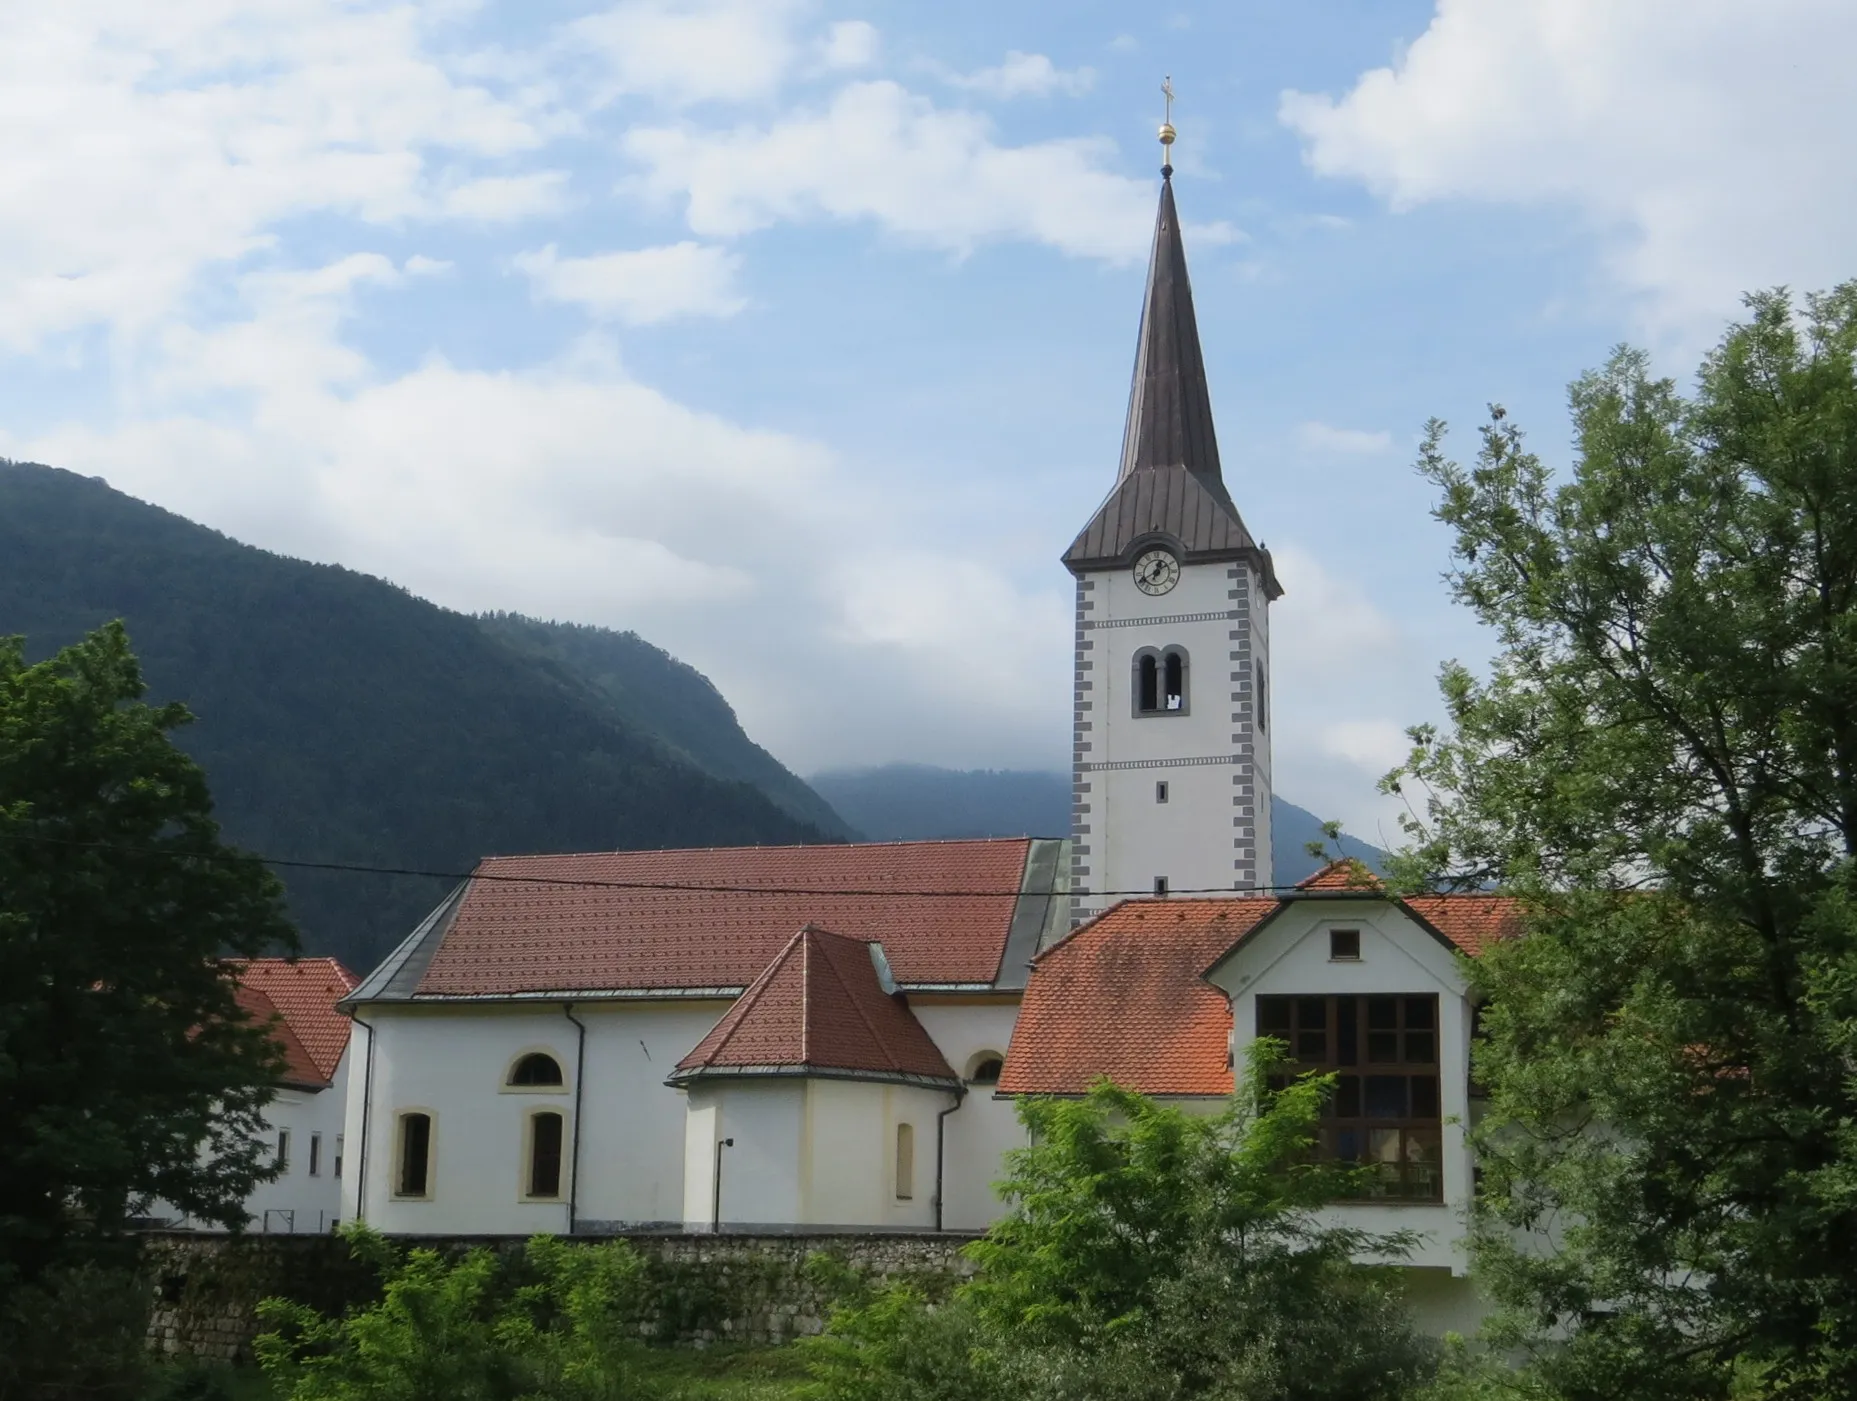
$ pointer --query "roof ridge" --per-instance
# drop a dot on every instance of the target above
(770, 846)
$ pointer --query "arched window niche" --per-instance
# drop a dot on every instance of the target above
(984, 1068)
(536, 1071)
(541, 1178)
(1161, 682)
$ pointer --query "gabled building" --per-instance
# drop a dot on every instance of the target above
(1166, 997)
(297, 1000)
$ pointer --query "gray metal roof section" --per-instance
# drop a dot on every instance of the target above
(1046, 880)
(397, 977)
(1169, 488)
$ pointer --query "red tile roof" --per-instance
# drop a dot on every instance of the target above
(1345, 874)
(513, 936)
(1122, 997)
(304, 992)
(819, 1006)
(300, 1070)
(1473, 922)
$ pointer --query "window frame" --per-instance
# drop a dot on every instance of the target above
(1159, 658)
(526, 1183)
(282, 1158)
(315, 1153)
(1417, 1179)
(401, 1117)
(1336, 933)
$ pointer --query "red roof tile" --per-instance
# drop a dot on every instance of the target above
(513, 936)
(304, 992)
(819, 1006)
(299, 1069)
(1345, 874)
(1473, 922)
(1122, 997)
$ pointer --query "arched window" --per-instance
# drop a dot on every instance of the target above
(536, 1068)
(985, 1067)
(1147, 683)
(1161, 678)
(1173, 689)
(544, 1165)
(905, 1162)
(413, 1141)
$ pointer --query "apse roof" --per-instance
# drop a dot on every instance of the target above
(820, 1009)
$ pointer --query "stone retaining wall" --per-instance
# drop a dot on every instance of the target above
(751, 1289)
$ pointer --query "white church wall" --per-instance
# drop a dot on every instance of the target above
(1290, 956)
(983, 1129)
(451, 1062)
(1193, 839)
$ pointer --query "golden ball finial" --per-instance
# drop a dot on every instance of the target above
(1167, 133)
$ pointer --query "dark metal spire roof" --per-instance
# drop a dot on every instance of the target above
(1169, 485)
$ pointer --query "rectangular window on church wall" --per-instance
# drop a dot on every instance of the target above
(1385, 1113)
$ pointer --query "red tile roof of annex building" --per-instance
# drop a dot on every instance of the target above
(716, 917)
(1124, 996)
(303, 992)
(820, 1007)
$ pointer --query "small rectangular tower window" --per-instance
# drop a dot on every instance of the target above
(1160, 791)
(415, 1175)
(1160, 885)
(1344, 945)
(315, 1162)
(283, 1150)
(338, 1155)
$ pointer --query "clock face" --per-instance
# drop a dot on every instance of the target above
(1156, 572)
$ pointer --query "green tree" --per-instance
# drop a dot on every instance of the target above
(1662, 764)
(126, 1068)
(1152, 1253)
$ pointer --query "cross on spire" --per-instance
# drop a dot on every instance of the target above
(1167, 128)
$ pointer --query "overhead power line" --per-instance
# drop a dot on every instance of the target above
(590, 883)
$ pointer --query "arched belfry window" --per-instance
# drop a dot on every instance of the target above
(1161, 681)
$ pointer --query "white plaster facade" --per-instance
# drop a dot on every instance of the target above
(1290, 955)
(639, 1153)
(1171, 801)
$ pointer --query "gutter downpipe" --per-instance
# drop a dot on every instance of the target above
(941, 1137)
(367, 1113)
(580, 1082)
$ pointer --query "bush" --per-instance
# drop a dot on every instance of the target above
(1151, 1255)
(562, 1323)
(78, 1333)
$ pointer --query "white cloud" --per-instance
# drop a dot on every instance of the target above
(682, 52)
(643, 286)
(150, 142)
(1698, 136)
(1027, 75)
(502, 199)
(933, 175)
(849, 43)
(1374, 745)
(1354, 442)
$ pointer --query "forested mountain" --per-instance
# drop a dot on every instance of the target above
(341, 719)
(896, 802)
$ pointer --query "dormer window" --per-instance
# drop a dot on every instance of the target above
(1344, 945)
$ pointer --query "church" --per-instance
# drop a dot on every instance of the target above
(833, 1038)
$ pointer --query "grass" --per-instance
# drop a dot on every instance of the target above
(729, 1373)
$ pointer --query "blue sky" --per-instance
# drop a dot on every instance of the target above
(796, 335)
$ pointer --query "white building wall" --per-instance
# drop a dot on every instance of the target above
(1212, 833)
(984, 1128)
(452, 1062)
(1291, 956)
(306, 1198)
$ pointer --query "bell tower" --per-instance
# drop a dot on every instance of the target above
(1171, 754)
